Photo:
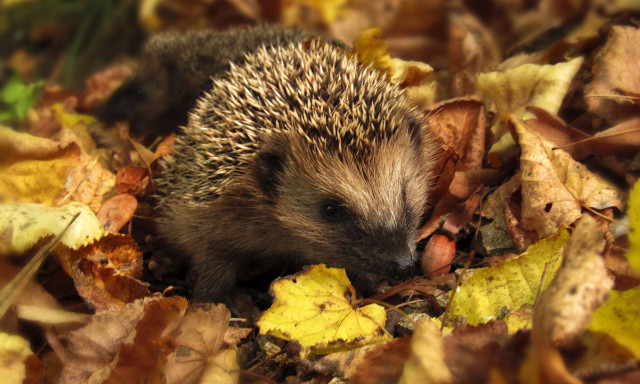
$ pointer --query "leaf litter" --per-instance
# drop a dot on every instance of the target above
(544, 210)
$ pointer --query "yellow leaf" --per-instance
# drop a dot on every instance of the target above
(509, 284)
(38, 180)
(38, 170)
(22, 225)
(70, 119)
(14, 351)
(312, 308)
(618, 317)
(633, 211)
(529, 84)
(330, 9)
(222, 368)
(371, 49)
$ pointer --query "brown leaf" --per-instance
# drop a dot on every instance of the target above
(614, 73)
(565, 308)
(101, 85)
(117, 211)
(104, 288)
(200, 336)
(472, 50)
(426, 363)
(93, 352)
(554, 186)
(382, 363)
(461, 123)
(133, 180)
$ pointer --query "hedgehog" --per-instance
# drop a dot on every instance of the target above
(298, 154)
(176, 69)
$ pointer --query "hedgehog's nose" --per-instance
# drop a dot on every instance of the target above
(402, 267)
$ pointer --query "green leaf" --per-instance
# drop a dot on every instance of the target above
(18, 97)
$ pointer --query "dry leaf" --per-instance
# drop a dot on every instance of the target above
(14, 351)
(133, 180)
(461, 123)
(117, 211)
(66, 174)
(23, 225)
(513, 90)
(615, 73)
(554, 186)
(121, 343)
(202, 352)
(565, 308)
(426, 364)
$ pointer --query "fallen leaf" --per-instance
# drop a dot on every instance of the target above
(14, 351)
(101, 85)
(427, 361)
(461, 123)
(203, 352)
(470, 351)
(117, 211)
(614, 74)
(377, 364)
(494, 292)
(618, 318)
(221, 368)
(633, 211)
(313, 308)
(121, 343)
(554, 186)
(133, 180)
(103, 287)
(541, 86)
(472, 49)
(23, 225)
(66, 174)
(565, 308)
(579, 287)
(371, 49)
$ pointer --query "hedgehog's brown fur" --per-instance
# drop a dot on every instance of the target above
(281, 138)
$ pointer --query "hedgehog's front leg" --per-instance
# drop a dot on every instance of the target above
(216, 276)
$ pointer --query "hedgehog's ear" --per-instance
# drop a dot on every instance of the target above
(268, 165)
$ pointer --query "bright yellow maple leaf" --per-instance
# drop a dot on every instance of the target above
(509, 284)
(312, 307)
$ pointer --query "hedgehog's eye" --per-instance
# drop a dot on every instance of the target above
(332, 210)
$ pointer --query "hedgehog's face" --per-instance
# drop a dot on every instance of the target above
(355, 211)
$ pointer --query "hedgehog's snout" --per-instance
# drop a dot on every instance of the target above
(402, 266)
